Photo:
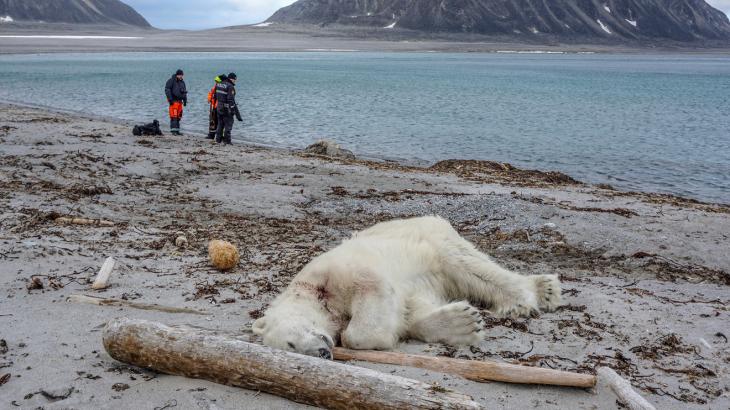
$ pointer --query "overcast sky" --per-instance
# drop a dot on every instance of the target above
(198, 14)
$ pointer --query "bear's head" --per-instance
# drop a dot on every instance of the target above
(296, 328)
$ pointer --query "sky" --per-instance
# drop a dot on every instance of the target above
(202, 14)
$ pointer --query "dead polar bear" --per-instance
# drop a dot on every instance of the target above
(399, 279)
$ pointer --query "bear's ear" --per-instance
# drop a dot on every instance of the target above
(259, 326)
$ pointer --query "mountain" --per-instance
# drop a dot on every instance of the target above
(71, 11)
(680, 20)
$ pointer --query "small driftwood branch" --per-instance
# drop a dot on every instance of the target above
(102, 278)
(473, 370)
(623, 390)
(91, 300)
(64, 220)
(222, 359)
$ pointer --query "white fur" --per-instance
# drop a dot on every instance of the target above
(406, 278)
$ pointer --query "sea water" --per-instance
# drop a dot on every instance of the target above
(655, 122)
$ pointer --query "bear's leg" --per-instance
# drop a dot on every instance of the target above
(377, 321)
(456, 324)
(507, 293)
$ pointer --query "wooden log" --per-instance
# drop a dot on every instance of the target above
(102, 278)
(473, 370)
(64, 220)
(623, 390)
(92, 300)
(221, 359)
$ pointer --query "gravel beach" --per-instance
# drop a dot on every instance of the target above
(645, 276)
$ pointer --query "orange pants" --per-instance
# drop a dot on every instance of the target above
(176, 110)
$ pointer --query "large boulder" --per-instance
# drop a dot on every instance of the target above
(329, 149)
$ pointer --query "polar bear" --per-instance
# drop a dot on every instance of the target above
(415, 278)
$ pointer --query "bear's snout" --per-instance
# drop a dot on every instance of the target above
(325, 354)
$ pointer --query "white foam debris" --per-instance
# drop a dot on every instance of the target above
(263, 24)
(529, 52)
(604, 27)
(391, 25)
(77, 37)
(6, 19)
(704, 343)
(632, 22)
(534, 30)
(605, 7)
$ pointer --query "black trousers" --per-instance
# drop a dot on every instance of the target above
(174, 125)
(225, 125)
(212, 123)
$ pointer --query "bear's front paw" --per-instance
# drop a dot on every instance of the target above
(456, 324)
(522, 303)
(517, 310)
(548, 292)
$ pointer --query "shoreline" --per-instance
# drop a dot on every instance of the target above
(415, 164)
(645, 279)
(303, 38)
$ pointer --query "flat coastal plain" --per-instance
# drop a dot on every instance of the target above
(18, 38)
(645, 276)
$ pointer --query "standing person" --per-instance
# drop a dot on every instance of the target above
(212, 109)
(177, 97)
(225, 94)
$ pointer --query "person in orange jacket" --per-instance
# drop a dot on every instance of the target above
(177, 97)
(212, 108)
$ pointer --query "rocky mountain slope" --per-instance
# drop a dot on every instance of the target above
(681, 20)
(71, 11)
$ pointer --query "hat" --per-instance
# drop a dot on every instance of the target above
(179, 72)
(232, 76)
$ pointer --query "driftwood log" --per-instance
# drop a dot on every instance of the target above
(102, 278)
(227, 360)
(473, 370)
(626, 394)
(64, 220)
(93, 300)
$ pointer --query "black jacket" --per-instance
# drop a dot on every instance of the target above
(225, 95)
(175, 90)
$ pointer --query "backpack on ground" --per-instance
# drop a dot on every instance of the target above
(152, 128)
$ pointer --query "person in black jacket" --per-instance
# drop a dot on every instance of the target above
(225, 94)
(177, 97)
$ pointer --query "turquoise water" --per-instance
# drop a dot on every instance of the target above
(654, 123)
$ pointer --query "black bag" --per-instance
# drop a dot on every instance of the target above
(152, 128)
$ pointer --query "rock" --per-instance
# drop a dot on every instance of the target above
(35, 283)
(57, 394)
(181, 242)
(329, 149)
(223, 255)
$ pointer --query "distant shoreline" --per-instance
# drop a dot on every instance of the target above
(255, 38)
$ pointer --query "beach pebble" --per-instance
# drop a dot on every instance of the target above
(181, 242)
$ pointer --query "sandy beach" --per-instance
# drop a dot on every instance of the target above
(645, 276)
